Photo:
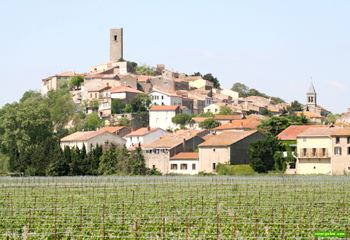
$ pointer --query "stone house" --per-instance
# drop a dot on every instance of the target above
(52, 83)
(90, 139)
(158, 153)
(124, 93)
(143, 136)
(121, 131)
(227, 147)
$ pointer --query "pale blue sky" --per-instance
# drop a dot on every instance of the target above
(273, 46)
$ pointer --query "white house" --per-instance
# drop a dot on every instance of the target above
(184, 163)
(159, 97)
(143, 136)
(233, 94)
(90, 139)
(161, 116)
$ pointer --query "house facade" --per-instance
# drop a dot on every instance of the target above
(184, 163)
(91, 139)
(323, 151)
(227, 147)
(161, 116)
(159, 97)
(143, 136)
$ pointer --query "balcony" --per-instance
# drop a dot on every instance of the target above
(314, 153)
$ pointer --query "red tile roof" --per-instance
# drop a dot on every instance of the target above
(226, 138)
(185, 155)
(249, 123)
(81, 136)
(293, 131)
(142, 132)
(164, 108)
(112, 129)
(228, 117)
(124, 89)
(325, 132)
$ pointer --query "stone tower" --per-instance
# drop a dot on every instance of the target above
(311, 97)
(116, 45)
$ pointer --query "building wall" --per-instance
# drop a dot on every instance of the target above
(162, 119)
(159, 98)
(148, 138)
(116, 44)
(239, 150)
(201, 83)
(314, 166)
(101, 140)
(234, 95)
(189, 163)
(159, 160)
(212, 108)
(340, 163)
(210, 155)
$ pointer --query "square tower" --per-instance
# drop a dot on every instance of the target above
(116, 45)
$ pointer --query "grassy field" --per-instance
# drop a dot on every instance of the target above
(253, 207)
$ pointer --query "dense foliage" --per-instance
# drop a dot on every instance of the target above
(209, 124)
(29, 139)
(277, 124)
(262, 154)
(181, 119)
(225, 110)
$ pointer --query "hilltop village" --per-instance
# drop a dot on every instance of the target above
(187, 124)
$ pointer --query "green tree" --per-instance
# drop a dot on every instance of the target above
(277, 124)
(140, 103)
(145, 70)
(295, 106)
(124, 121)
(181, 119)
(91, 122)
(241, 88)
(61, 107)
(137, 162)
(131, 66)
(212, 79)
(75, 82)
(57, 166)
(209, 124)
(117, 106)
(261, 154)
(280, 162)
(225, 110)
(108, 161)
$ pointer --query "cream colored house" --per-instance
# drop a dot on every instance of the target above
(200, 83)
(234, 95)
(161, 116)
(323, 151)
(91, 139)
(227, 147)
(184, 163)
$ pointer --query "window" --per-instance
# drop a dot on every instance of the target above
(314, 152)
(183, 166)
(323, 152)
(116, 38)
(162, 97)
(348, 138)
(213, 149)
(348, 150)
(337, 151)
(193, 166)
(304, 152)
(214, 166)
(173, 166)
(153, 166)
(337, 140)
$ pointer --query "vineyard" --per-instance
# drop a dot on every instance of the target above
(257, 207)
